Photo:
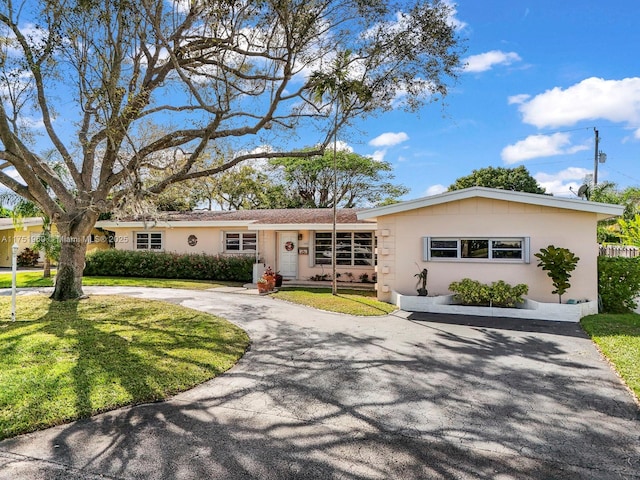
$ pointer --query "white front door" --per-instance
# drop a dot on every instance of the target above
(288, 254)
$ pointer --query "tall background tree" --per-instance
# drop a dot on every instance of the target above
(617, 230)
(204, 72)
(361, 180)
(517, 179)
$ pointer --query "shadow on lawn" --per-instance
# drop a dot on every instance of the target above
(100, 353)
(435, 402)
(107, 357)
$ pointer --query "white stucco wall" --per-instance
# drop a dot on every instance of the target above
(400, 246)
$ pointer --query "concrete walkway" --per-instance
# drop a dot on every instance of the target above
(324, 396)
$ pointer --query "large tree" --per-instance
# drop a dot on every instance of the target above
(92, 72)
(359, 180)
(517, 179)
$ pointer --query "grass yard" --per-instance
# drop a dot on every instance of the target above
(34, 279)
(353, 302)
(62, 361)
(618, 337)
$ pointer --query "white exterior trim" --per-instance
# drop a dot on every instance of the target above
(603, 210)
(7, 223)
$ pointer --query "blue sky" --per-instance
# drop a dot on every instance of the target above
(540, 76)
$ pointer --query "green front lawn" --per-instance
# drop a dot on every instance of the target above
(618, 337)
(66, 360)
(353, 302)
(34, 279)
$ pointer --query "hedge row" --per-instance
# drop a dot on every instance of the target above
(123, 263)
(619, 283)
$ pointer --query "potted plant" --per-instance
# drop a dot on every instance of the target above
(270, 277)
(421, 285)
(278, 280)
(263, 286)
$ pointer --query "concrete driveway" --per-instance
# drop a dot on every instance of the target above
(323, 396)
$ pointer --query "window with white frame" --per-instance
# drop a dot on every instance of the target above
(240, 241)
(148, 240)
(469, 249)
(352, 248)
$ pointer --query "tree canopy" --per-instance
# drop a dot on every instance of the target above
(360, 180)
(93, 74)
(517, 179)
(617, 230)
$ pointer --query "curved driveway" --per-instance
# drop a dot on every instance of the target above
(323, 395)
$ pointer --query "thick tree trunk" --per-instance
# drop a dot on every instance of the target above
(73, 239)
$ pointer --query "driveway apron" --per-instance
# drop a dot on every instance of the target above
(323, 396)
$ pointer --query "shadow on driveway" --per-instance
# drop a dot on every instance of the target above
(570, 329)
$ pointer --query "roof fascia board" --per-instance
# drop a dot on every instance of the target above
(24, 224)
(604, 210)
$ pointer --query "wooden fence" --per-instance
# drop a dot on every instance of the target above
(619, 251)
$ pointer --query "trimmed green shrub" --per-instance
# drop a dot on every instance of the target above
(127, 263)
(498, 294)
(619, 283)
(504, 295)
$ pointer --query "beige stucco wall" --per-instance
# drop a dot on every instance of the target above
(400, 246)
(175, 239)
(211, 242)
(23, 237)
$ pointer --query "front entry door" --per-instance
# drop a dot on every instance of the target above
(288, 254)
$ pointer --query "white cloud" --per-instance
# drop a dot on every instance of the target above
(563, 183)
(13, 173)
(485, 61)
(435, 190)
(389, 139)
(518, 99)
(378, 155)
(591, 99)
(453, 21)
(341, 146)
(536, 146)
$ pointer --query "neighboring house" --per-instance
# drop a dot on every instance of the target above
(27, 233)
(294, 242)
(487, 235)
(23, 236)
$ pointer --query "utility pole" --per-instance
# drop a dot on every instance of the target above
(595, 159)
